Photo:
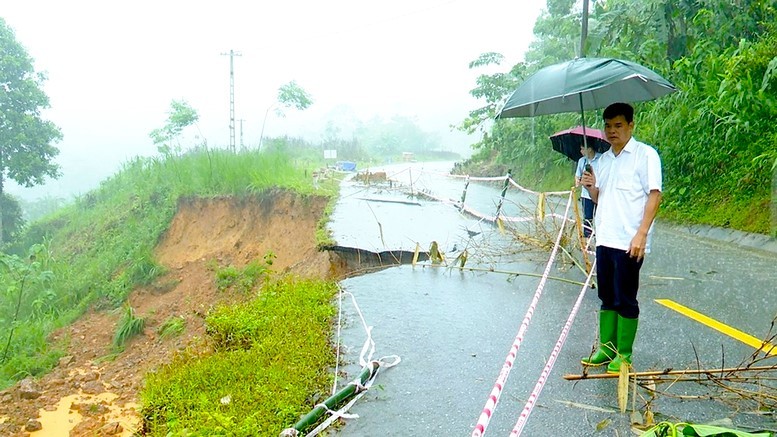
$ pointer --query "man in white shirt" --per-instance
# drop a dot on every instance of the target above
(626, 186)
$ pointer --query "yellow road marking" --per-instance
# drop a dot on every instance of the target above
(718, 326)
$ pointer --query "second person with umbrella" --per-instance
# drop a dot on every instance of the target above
(590, 158)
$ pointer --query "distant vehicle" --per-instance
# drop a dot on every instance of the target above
(345, 166)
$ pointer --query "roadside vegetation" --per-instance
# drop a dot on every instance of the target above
(94, 252)
(716, 135)
(262, 366)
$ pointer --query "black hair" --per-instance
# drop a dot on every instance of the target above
(616, 109)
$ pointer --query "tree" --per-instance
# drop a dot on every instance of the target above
(12, 219)
(290, 95)
(26, 150)
(181, 116)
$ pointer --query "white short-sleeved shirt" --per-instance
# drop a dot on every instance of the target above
(581, 167)
(624, 182)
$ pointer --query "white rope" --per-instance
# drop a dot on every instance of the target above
(365, 359)
(337, 341)
(341, 412)
(547, 193)
(487, 178)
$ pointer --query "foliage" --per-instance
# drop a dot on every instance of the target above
(101, 246)
(129, 326)
(717, 137)
(12, 219)
(245, 279)
(26, 150)
(180, 116)
(389, 138)
(291, 95)
(36, 209)
(267, 365)
(557, 33)
(668, 429)
(28, 305)
(172, 327)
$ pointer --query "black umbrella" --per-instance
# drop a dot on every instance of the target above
(568, 142)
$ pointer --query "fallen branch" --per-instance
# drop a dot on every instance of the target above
(570, 377)
(507, 272)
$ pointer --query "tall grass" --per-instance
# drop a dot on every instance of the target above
(101, 247)
(129, 326)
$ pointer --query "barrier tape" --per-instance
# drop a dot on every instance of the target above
(527, 409)
(495, 179)
(496, 391)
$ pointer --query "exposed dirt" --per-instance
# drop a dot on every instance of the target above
(88, 394)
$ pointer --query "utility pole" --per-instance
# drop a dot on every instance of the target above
(242, 147)
(584, 29)
(232, 55)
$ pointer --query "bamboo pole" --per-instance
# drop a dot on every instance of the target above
(502, 197)
(464, 194)
(580, 237)
(332, 402)
(570, 377)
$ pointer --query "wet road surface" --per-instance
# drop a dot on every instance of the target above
(453, 329)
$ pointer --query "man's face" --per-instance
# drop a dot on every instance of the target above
(618, 131)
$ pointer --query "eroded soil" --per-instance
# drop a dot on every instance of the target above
(90, 394)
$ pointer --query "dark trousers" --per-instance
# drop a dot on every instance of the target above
(618, 276)
(588, 216)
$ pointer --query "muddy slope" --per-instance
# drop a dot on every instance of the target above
(89, 394)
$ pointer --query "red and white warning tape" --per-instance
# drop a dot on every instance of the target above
(496, 391)
(527, 409)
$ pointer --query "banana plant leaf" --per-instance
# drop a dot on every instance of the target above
(667, 429)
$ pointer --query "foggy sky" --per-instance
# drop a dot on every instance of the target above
(113, 68)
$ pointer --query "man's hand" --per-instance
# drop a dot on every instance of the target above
(637, 246)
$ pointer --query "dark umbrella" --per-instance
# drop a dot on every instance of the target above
(584, 83)
(568, 141)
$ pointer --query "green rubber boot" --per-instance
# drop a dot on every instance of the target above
(608, 330)
(627, 330)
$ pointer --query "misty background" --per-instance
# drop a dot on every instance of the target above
(113, 70)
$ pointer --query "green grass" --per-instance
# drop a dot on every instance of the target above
(271, 354)
(129, 326)
(172, 327)
(748, 215)
(98, 249)
(245, 279)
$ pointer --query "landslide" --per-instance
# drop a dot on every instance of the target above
(92, 392)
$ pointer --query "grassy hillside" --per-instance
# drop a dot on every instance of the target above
(94, 252)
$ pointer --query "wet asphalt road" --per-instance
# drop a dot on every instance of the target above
(454, 329)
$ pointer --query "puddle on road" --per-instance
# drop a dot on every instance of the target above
(64, 418)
